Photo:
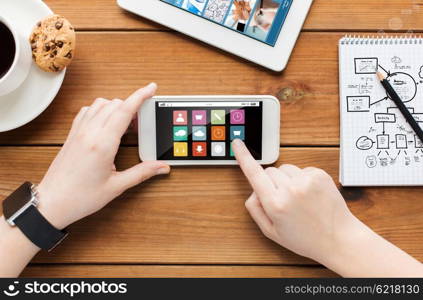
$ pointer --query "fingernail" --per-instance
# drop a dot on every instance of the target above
(152, 85)
(163, 171)
(237, 142)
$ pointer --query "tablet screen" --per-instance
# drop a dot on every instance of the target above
(204, 130)
(258, 19)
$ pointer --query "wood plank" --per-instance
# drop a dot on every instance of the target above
(325, 15)
(196, 217)
(373, 15)
(112, 65)
(148, 271)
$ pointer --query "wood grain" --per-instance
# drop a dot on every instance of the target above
(199, 218)
(338, 15)
(148, 271)
(113, 65)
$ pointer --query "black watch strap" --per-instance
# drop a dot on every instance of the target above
(38, 230)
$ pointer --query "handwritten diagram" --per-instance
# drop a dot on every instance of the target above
(386, 139)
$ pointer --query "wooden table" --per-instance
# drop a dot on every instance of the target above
(194, 223)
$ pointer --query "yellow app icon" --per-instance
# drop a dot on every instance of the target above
(180, 149)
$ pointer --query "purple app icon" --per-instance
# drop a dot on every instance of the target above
(199, 117)
(237, 116)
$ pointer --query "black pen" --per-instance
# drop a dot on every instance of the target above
(404, 110)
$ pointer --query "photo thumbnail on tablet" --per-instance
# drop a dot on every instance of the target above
(258, 19)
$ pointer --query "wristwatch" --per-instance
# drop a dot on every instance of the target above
(20, 209)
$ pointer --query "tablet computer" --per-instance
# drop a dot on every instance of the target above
(262, 31)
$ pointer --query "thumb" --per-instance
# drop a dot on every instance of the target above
(140, 173)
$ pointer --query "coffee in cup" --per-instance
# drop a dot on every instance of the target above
(15, 56)
(7, 50)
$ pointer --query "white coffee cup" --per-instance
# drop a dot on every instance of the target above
(22, 62)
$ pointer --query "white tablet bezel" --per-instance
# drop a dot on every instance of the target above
(270, 129)
(274, 58)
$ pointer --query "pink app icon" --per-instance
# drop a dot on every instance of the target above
(199, 117)
(237, 116)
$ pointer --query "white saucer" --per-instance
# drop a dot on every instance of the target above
(39, 89)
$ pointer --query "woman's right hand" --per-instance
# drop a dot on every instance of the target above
(300, 209)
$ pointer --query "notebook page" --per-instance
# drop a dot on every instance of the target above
(378, 147)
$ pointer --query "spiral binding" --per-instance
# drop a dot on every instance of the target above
(381, 40)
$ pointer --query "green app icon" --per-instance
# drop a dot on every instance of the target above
(180, 133)
(218, 117)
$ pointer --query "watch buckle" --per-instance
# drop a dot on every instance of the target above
(34, 202)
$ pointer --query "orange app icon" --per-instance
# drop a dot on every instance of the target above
(199, 149)
(218, 133)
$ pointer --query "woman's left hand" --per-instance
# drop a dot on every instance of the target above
(83, 178)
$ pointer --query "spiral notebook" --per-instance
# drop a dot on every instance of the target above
(378, 147)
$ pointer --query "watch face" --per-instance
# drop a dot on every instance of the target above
(17, 200)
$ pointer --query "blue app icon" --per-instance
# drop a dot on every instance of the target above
(237, 132)
(199, 133)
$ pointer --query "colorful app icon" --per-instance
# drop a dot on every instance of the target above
(199, 133)
(218, 133)
(237, 132)
(218, 149)
(199, 149)
(180, 133)
(180, 149)
(199, 117)
(237, 116)
(180, 117)
(232, 154)
(218, 117)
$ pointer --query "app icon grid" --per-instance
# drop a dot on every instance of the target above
(206, 137)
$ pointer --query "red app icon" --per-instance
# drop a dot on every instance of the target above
(180, 117)
(199, 149)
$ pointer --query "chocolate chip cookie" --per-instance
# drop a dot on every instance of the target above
(53, 43)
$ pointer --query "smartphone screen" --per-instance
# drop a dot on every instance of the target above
(203, 130)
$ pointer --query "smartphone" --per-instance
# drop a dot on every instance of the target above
(198, 130)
